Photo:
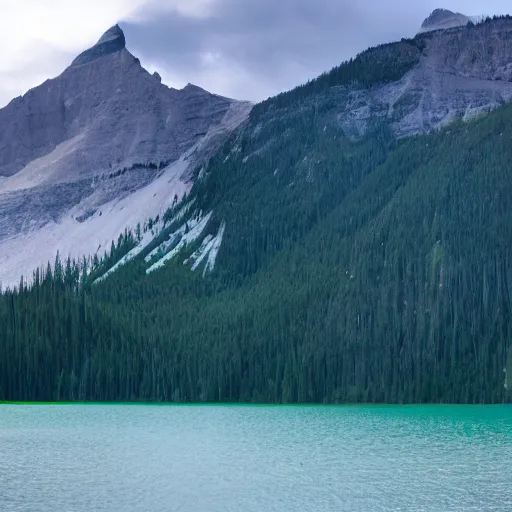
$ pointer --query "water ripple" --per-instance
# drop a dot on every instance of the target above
(280, 459)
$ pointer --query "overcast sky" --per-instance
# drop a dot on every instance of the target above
(246, 49)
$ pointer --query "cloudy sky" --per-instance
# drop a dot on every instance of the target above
(246, 49)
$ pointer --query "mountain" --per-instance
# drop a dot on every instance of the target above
(442, 19)
(348, 242)
(96, 150)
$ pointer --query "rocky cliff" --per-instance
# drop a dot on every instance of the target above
(460, 73)
(105, 111)
(96, 150)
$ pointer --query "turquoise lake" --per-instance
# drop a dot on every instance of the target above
(88, 458)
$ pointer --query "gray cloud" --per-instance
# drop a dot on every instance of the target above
(251, 49)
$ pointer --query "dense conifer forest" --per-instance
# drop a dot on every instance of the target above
(370, 270)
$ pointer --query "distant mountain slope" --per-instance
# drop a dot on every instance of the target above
(81, 144)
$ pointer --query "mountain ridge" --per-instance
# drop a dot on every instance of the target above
(415, 86)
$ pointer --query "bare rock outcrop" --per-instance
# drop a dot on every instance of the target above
(442, 19)
(104, 111)
(460, 74)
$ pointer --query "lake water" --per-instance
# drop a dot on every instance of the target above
(244, 459)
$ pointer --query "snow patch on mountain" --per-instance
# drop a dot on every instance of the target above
(142, 244)
(164, 247)
(148, 237)
(21, 255)
(190, 232)
(43, 170)
(182, 211)
(208, 250)
(214, 251)
(172, 239)
(198, 257)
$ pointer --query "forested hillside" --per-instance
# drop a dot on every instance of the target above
(369, 270)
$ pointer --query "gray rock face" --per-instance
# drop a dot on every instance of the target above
(81, 145)
(112, 41)
(462, 73)
(442, 19)
(104, 111)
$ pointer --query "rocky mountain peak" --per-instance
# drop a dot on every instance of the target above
(438, 15)
(112, 34)
(111, 41)
(442, 19)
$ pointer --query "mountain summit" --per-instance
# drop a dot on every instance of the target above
(111, 41)
(114, 33)
(442, 19)
(103, 110)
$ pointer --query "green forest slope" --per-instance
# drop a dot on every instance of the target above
(376, 270)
